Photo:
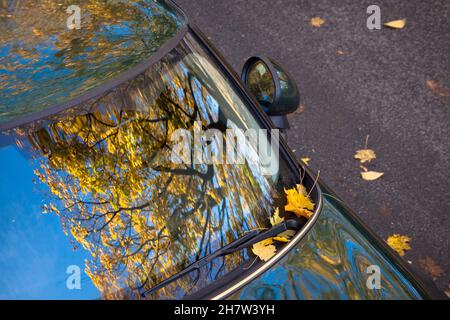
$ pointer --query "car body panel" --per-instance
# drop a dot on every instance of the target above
(331, 262)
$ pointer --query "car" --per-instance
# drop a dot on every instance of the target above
(138, 165)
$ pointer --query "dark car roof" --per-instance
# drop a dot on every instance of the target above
(45, 64)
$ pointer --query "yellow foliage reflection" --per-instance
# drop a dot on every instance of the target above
(141, 216)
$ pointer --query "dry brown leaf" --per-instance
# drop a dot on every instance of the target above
(365, 155)
(437, 89)
(371, 175)
(396, 24)
(317, 21)
(264, 249)
(306, 160)
(399, 243)
(431, 267)
(386, 211)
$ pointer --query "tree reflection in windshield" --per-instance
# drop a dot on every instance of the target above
(43, 63)
(142, 217)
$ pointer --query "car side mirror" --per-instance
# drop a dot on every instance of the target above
(272, 87)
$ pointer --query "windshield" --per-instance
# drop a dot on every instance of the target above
(97, 189)
(53, 51)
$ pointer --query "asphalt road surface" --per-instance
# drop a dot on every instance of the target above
(356, 82)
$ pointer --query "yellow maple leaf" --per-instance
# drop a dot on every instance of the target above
(365, 155)
(396, 24)
(276, 219)
(298, 201)
(317, 21)
(306, 160)
(371, 175)
(399, 243)
(264, 249)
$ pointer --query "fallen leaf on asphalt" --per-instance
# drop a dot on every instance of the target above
(264, 249)
(437, 89)
(365, 155)
(399, 243)
(317, 21)
(276, 219)
(396, 24)
(431, 267)
(306, 160)
(386, 211)
(371, 175)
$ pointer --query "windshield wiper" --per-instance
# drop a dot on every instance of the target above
(245, 241)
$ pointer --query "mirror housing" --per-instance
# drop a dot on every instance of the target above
(273, 88)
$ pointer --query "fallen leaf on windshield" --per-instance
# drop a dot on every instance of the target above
(280, 239)
(365, 155)
(264, 249)
(399, 243)
(285, 236)
(317, 21)
(437, 89)
(298, 201)
(306, 160)
(396, 24)
(276, 219)
(371, 175)
(431, 267)
(288, 234)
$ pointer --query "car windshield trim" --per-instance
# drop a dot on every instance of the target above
(110, 84)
